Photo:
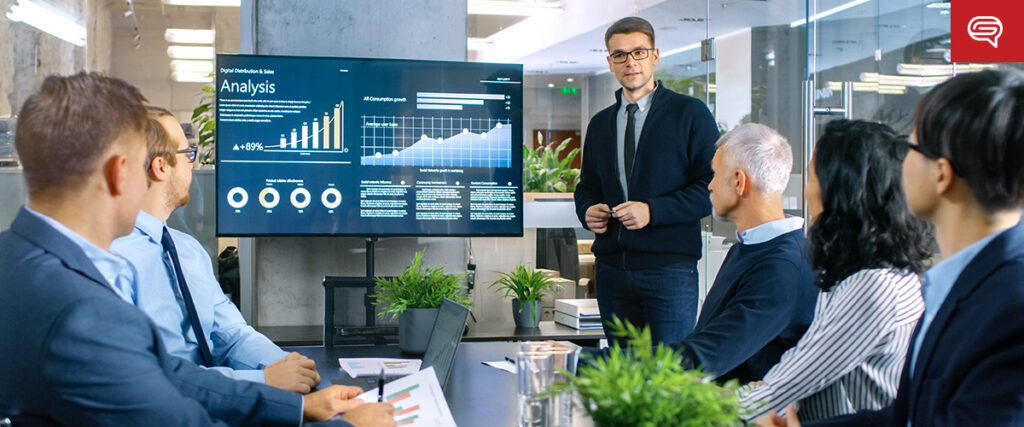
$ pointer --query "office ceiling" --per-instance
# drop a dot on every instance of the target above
(573, 42)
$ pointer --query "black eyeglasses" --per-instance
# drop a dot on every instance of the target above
(638, 54)
(190, 152)
(903, 140)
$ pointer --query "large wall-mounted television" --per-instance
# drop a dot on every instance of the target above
(368, 147)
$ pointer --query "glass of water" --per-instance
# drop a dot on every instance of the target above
(535, 374)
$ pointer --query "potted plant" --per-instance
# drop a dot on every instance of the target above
(546, 170)
(646, 386)
(529, 287)
(204, 122)
(415, 297)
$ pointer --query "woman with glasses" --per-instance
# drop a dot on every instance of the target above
(869, 251)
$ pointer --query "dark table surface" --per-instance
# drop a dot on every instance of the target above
(477, 394)
(481, 331)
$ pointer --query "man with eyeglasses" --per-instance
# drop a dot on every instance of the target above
(175, 285)
(643, 190)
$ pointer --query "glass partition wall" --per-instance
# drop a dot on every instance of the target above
(793, 65)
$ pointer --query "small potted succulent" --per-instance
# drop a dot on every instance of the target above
(529, 287)
(415, 297)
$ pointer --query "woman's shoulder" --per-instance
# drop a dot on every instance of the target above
(881, 280)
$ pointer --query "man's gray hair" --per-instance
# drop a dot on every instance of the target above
(762, 153)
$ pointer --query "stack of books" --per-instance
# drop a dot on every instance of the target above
(580, 314)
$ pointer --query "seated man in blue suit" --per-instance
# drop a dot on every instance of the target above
(763, 298)
(72, 352)
(963, 174)
(229, 345)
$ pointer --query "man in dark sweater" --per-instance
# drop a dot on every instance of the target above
(643, 190)
(763, 298)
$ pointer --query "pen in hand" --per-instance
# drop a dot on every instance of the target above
(380, 386)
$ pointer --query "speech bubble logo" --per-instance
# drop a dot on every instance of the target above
(986, 29)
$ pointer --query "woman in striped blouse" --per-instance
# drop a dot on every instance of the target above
(869, 250)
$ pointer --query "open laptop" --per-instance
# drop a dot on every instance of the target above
(444, 341)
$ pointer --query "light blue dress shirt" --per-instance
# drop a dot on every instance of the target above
(241, 352)
(770, 230)
(643, 107)
(118, 272)
(938, 281)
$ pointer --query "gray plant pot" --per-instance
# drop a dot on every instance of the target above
(523, 316)
(414, 327)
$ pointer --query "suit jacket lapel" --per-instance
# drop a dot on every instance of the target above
(997, 251)
(35, 230)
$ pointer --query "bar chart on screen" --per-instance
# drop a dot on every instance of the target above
(418, 400)
(322, 136)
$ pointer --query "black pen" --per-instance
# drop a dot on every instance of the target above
(509, 359)
(380, 386)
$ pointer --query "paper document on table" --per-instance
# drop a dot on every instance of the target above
(368, 366)
(504, 365)
(418, 400)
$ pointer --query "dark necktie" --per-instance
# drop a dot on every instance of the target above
(197, 327)
(629, 145)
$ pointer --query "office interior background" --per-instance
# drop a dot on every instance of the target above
(790, 64)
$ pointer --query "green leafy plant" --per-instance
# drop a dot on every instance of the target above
(204, 122)
(418, 287)
(647, 386)
(544, 172)
(526, 284)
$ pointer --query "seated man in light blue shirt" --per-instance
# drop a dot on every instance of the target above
(229, 345)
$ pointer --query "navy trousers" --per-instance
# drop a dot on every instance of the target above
(664, 298)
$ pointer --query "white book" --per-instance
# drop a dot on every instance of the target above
(577, 322)
(583, 308)
(369, 366)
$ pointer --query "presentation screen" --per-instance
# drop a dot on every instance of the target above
(368, 147)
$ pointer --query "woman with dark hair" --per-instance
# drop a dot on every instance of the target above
(869, 251)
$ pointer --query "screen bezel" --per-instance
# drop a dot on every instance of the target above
(515, 154)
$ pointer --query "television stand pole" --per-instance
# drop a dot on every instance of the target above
(366, 282)
(367, 301)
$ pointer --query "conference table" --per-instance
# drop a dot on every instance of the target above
(477, 394)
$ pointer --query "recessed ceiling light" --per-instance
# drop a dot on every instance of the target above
(477, 43)
(827, 13)
(190, 52)
(513, 8)
(569, 79)
(181, 35)
(192, 66)
(551, 85)
(222, 3)
(49, 20)
(185, 76)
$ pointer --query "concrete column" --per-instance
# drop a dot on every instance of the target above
(288, 271)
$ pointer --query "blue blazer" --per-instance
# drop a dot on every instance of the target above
(970, 369)
(73, 353)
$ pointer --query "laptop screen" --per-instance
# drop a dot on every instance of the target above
(445, 338)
